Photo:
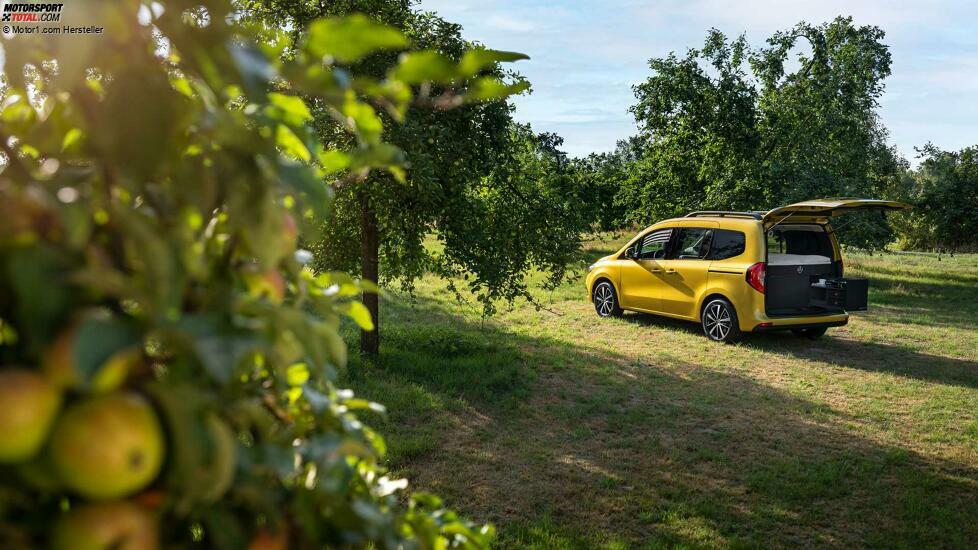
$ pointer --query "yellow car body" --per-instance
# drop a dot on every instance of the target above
(652, 273)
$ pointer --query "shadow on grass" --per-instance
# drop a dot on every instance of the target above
(565, 446)
(865, 356)
(946, 305)
(650, 320)
(873, 357)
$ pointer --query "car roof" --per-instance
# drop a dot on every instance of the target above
(726, 220)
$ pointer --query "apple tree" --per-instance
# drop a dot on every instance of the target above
(167, 355)
(473, 203)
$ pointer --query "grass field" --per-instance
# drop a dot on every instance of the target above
(566, 430)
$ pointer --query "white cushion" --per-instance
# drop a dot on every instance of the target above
(797, 259)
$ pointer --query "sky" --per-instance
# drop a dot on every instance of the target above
(586, 55)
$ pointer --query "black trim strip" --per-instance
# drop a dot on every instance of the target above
(727, 272)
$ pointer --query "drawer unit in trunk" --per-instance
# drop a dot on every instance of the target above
(840, 293)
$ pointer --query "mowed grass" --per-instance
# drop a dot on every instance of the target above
(566, 430)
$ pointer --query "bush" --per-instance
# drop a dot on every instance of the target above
(167, 357)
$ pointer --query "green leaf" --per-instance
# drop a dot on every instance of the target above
(97, 340)
(297, 374)
(302, 179)
(381, 155)
(365, 119)
(359, 313)
(255, 69)
(72, 137)
(290, 144)
(292, 108)
(219, 348)
(477, 59)
(418, 67)
(488, 88)
(37, 275)
(334, 161)
(350, 38)
(183, 86)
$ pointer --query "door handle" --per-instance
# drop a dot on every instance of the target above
(654, 270)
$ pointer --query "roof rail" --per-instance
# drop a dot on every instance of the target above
(725, 213)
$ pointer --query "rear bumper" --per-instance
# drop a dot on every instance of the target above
(801, 325)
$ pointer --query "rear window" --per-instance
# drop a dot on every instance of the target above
(727, 244)
(802, 240)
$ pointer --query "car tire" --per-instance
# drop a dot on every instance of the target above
(606, 300)
(719, 320)
(810, 333)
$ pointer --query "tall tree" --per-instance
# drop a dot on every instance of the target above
(456, 190)
(727, 127)
(698, 132)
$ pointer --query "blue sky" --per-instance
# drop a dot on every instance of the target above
(586, 55)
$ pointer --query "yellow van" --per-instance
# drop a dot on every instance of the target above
(738, 272)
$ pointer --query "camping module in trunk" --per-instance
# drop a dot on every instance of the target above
(804, 273)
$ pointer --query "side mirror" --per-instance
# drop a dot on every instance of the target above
(630, 254)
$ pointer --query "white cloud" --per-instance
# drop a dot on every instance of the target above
(585, 55)
(509, 24)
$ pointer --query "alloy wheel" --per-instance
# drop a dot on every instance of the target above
(604, 300)
(717, 321)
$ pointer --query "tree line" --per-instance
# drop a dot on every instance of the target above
(724, 126)
(728, 127)
(168, 357)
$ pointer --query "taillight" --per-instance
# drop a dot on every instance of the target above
(755, 277)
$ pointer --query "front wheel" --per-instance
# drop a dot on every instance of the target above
(606, 300)
(720, 321)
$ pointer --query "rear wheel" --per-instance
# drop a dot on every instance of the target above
(606, 300)
(720, 321)
(810, 333)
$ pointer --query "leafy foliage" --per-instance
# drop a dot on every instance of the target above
(600, 177)
(727, 127)
(945, 190)
(527, 212)
(154, 183)
(489, 192)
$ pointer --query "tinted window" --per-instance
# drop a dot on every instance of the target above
(653, 246)
(692, 243)
(727, 244)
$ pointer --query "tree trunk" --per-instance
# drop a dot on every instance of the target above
(369, 254)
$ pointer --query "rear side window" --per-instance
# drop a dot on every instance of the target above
(727, 244)
(692, 243)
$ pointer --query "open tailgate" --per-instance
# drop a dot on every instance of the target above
(823, 209)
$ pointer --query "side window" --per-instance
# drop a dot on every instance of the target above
(653, 246)
(692, 243)
(727, 244)
(775, 242)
